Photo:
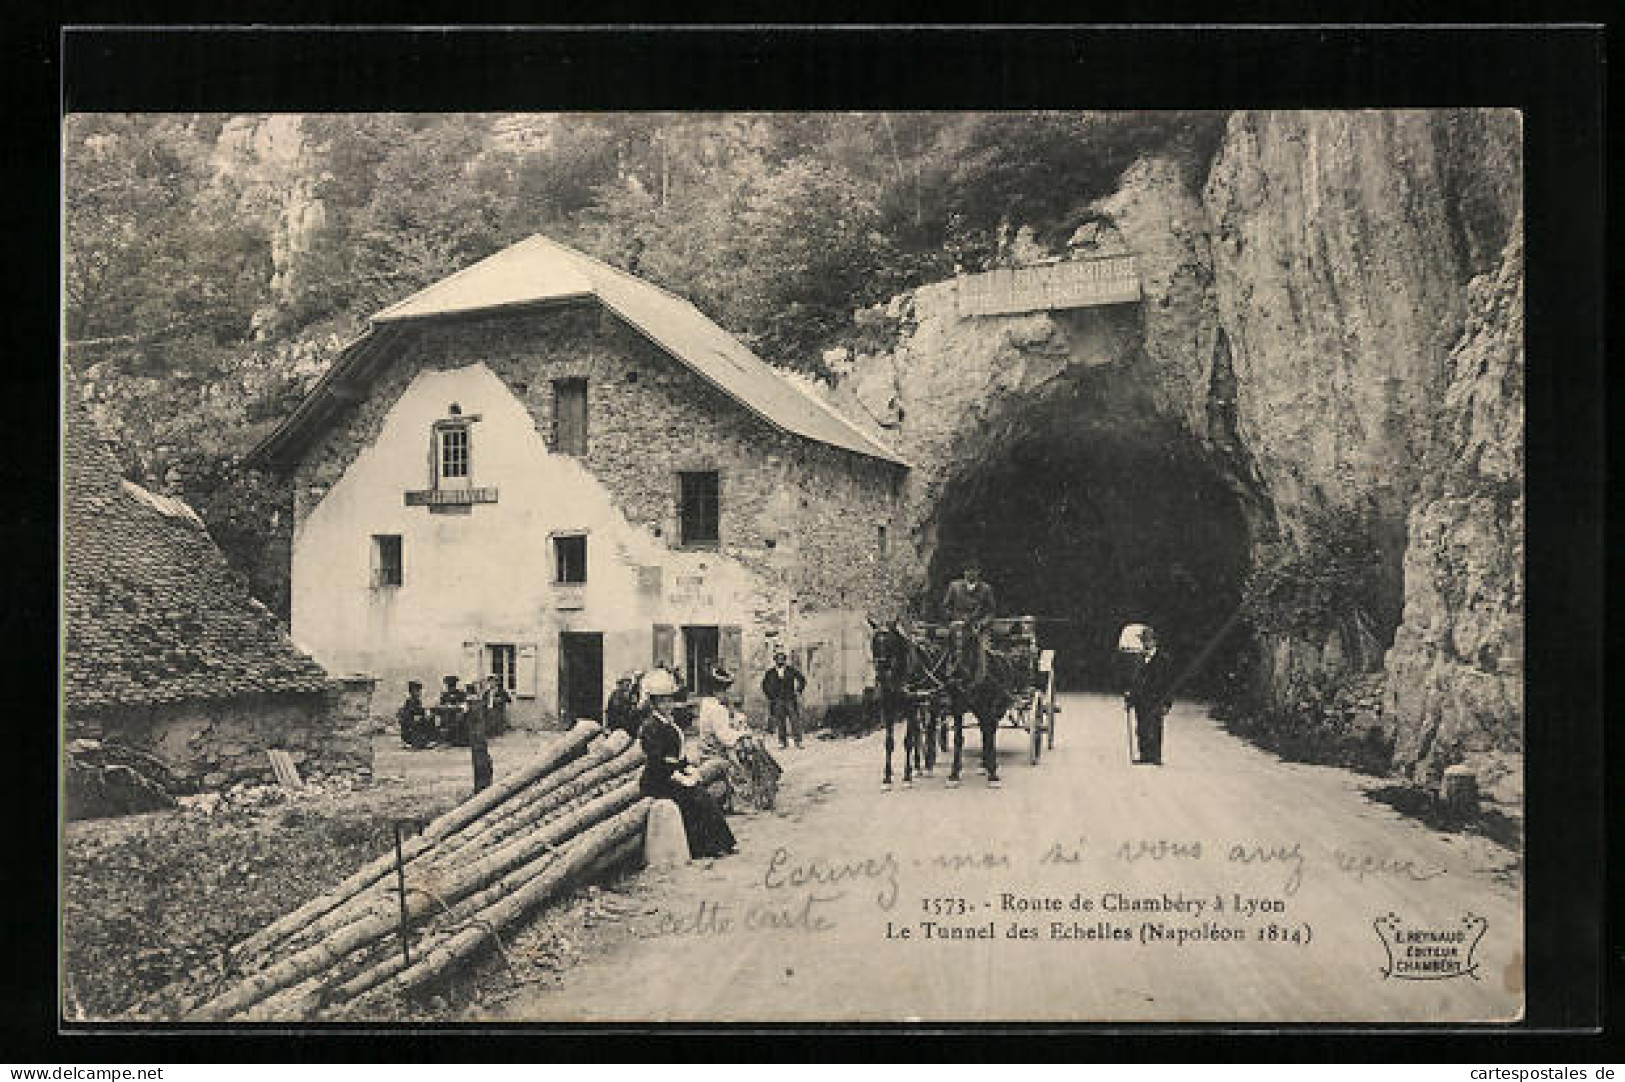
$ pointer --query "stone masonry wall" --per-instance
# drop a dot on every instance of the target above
(210, 744)
(804, 515)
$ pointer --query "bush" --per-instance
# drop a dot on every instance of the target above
(1328, 724)
(1304, 587)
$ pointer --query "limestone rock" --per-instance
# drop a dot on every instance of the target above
(1455, 672)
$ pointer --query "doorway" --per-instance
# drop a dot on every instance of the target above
(700, 648)
(581, 676)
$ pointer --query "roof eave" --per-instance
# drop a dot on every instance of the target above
(274, 450)
(557, 300)
(281, 448)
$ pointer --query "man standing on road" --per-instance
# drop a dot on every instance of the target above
(783, 685)
(1148, 695)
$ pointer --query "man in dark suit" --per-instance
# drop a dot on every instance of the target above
(1148, 694)
(783, 685)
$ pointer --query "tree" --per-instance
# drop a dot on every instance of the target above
(159, 267)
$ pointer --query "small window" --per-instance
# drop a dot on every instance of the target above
(453, 457)
(386, 559)
(880, 541)
(501, 661)
(698, 508)
(570, 558)
(570, 416)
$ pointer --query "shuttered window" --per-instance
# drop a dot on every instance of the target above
(570, 416)
(525, 672)
(731, 650)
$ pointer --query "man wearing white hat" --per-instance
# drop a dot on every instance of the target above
(1148, 696)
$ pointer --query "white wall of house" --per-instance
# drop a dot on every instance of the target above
(487, 576)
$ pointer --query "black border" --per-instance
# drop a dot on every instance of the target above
(1553, 74)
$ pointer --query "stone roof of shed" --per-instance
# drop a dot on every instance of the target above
(538, 271)
(152, 613)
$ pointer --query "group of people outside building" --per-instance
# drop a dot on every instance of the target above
(652, 708)
(645, 705)
(449, 720)
(465, 715)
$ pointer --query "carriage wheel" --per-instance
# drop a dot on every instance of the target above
(1050, 709)
(1040, 721)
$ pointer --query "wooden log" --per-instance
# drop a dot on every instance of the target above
(497, 906)
(570, 745)
(584, 853)
(439, 866)
(454, 922)
(371, 965)
(601, 750)
(483, 835)
(381, 960)
(382, 919)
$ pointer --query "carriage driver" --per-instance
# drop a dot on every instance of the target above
(969, 598)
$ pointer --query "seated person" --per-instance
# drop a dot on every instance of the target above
(621, 712)
(753, 773)
(417, 727)
(666, 776)
(719, 679)
(452, 712)
(970, 599)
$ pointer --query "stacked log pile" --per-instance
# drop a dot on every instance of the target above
(474, 872)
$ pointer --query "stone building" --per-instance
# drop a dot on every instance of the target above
(549, 469)
(163, 649)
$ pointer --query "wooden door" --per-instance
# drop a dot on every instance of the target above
(581, 676)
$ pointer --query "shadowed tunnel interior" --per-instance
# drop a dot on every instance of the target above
(1090, 518)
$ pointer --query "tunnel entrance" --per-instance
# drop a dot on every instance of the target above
(1091, 516)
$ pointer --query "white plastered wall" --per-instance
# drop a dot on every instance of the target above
(487, 576)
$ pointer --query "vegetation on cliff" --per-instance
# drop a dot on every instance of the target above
(213, 264)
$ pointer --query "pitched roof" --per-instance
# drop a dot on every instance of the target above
(152, 613)
(539, 271)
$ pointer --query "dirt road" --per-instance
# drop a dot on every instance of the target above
(1225, 885)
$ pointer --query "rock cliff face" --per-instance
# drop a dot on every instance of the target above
(1331, 311)
(277, 171)
(1455, 673)
(1341, 284)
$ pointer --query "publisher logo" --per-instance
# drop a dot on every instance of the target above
(1430, 952)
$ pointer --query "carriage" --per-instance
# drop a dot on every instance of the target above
(924, 682)
(1030, 681)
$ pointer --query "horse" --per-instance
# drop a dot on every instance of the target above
(908, 681)
(979, 680)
